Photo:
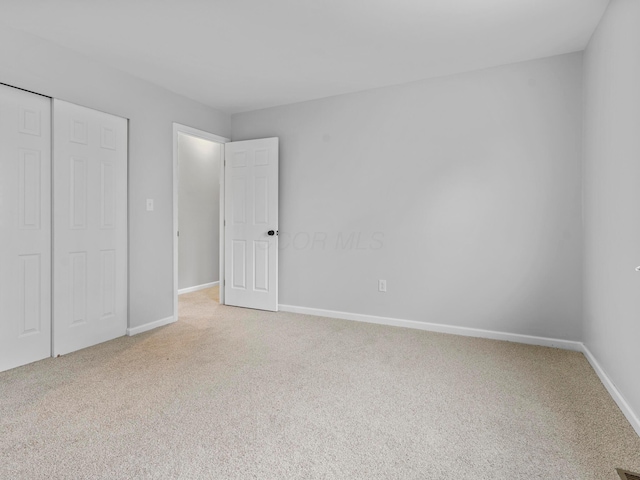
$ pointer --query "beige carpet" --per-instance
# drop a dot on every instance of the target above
(234, 393)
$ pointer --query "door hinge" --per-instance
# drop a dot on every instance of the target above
(178, 233)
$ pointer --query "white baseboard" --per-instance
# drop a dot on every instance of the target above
(197, 287)
(628, 412)
(150, 326)
(440, 328)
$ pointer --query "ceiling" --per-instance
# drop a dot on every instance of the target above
(240, 55)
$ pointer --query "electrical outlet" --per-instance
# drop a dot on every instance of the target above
(382, 285)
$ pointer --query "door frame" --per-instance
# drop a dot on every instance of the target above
(194, 132)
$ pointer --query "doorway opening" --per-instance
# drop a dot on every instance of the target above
(198, 215)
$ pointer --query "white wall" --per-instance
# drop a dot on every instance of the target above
(612, 198)
(465, 193)
(34, 64)
(199, 211)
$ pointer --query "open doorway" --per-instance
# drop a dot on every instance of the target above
(198, 214)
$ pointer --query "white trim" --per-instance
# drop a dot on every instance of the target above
(628, 412)
(197, 287)
(438, 327)
(150, 326)
(179, 128)
(221, 273)
(194, 132)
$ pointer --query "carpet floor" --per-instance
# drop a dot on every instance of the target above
(242, 394)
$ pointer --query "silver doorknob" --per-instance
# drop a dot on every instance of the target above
(637, 269)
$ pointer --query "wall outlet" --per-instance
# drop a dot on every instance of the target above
(149, 204)
(382, 285)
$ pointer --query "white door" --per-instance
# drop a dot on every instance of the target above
(25, 227)
(89, 227)
(251, 217)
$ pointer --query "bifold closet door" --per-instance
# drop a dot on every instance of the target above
(25, 227)
(89, 227)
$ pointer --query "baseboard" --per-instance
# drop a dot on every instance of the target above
(150, 326)
(437, 327)
(628, 412)
(197, 287)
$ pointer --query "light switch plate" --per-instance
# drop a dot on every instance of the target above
(149, 204)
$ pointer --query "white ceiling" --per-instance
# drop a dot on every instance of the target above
(239, 55)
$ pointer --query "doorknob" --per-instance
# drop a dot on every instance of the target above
(637, 269)
(271, 233)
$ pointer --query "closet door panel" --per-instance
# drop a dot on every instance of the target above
(90, 227)
(25, 227)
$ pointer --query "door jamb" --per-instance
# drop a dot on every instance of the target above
(194, 132)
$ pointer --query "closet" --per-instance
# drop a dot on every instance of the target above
(63, 227)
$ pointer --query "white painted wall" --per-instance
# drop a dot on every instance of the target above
(612, 197)
(463, 192)
(29, 62)
(199, 211)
